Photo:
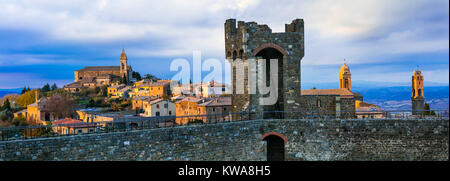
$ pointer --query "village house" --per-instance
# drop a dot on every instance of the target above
(329, 103)
(22, 113)
(112, 90)
(367, 110)
(37, 112)
(159, 107)
(72, 126)
(189, 107)
(216, 108)
(158, 89)
(137, 103)
(210, 89)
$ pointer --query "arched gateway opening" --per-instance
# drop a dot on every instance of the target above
(275, 146)
(268, 52)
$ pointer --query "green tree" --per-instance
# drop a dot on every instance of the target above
(151, 77)
(19, 121)
(24, 90)
(46, 88)
(54, 87)
(6, 105)
(136, 75)
(427, 110)
(124, 80)
(27, 98)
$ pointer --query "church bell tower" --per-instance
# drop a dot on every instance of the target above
(123, 65)
(345, 78)
(417, 97)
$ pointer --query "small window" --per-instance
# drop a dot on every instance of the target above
(224, 109)
(157, 106)
(166, 105)
(170, 112)
(157, 113)
(214, 109)
(80, 131)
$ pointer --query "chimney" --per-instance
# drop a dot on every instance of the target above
(37, 95)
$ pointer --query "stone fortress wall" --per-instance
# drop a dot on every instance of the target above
(308, 139)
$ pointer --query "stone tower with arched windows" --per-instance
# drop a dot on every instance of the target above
(123, 65)
(345, 78)
(245, 42)
(417, 98)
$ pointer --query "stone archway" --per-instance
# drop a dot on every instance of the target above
(267, 52)
(275, 146)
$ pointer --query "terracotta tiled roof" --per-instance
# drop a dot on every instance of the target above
(365, 104)
(191, 99)
(341, 92)
(218, 101)
(72, 123)
(73, 85)
(154, 84)
(101, 68)
(368, 109)
(155, 101)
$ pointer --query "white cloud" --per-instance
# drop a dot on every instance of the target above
(359, 31)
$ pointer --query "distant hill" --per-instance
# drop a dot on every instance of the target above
(393, 95)
(4, 92)
(401, 93)
(399, 98)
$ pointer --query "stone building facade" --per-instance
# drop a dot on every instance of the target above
(249, 41)
(105, 72)
(339, 103)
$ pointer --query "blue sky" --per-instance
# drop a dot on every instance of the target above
(382, 41)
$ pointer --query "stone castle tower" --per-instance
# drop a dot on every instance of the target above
(123, 65)
(249, 41)
(345, 78)
(417, 97)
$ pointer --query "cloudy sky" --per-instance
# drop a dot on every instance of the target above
(382, 40)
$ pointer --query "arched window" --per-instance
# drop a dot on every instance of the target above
(241, 54)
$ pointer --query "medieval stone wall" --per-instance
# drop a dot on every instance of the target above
(319, 139)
